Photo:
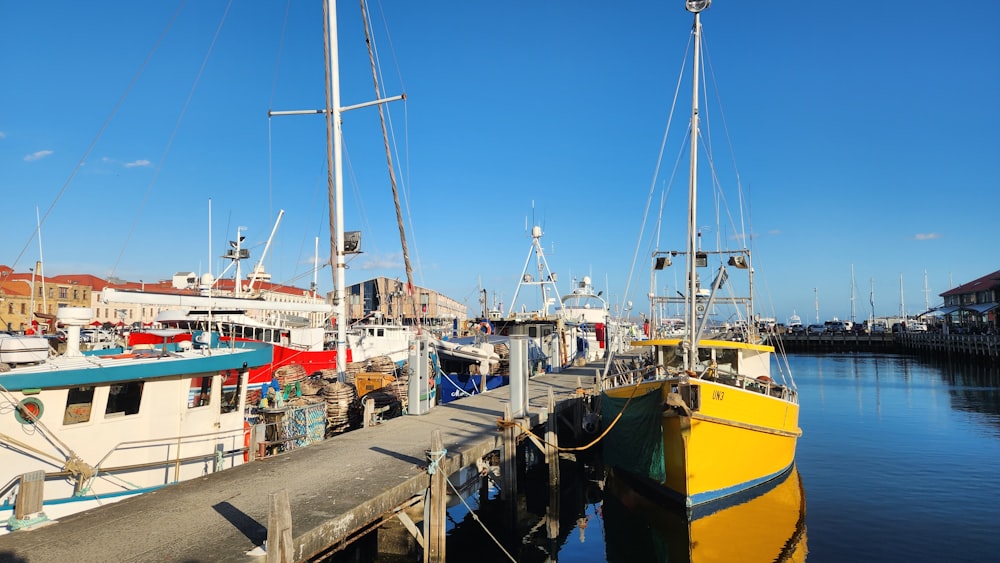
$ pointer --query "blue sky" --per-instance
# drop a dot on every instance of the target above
(864, 138)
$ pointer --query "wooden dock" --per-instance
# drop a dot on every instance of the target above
(337, 490)
(960, 346)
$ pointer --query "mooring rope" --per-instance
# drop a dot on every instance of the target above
(504, 424)
(476, 518)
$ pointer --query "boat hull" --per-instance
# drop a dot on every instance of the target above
(733, 440)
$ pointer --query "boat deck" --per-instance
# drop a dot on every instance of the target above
(335, 488)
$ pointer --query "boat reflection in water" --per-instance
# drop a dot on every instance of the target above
(767, 523)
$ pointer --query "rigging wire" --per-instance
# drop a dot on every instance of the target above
(100, 132)
(173, 134)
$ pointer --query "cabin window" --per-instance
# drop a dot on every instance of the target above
(78, 403)
(200, 393)
(533, 332)
(231, 387)
(124, 398)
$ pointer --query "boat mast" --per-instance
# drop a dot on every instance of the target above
(695, 7)
(335, 177)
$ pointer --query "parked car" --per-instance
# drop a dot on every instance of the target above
(816, 329)
(878, 328)
(797, 329)
(836, 327)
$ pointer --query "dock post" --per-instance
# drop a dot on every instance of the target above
(552, 459)
(508, 457)
(279, 528)
(437, 509)
(369, 414)
(519, 372)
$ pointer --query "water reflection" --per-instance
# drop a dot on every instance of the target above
(769, 525)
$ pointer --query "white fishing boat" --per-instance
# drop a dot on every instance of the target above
(589, 323)
(376, 337)
(716, 418)
(80, 430)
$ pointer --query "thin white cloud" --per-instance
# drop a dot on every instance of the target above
(37, 155)
(382, 262)
(140, 163)
(3, 135)
(926, 236)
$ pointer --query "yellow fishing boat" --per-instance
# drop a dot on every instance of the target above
(706, 390)
(726, 425)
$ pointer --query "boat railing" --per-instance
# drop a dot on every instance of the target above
(174, 460)
(760, 384)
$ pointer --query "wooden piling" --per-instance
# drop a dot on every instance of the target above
(552, 459)
(508, 457)
(279, 528)
(437, 509)
(369, 414)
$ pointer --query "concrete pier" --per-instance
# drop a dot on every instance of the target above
(336, 490)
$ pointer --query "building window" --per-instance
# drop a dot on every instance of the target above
(63, 293)
(52, 292)
(40, 290)
(10, 308)
(124, 398)
(78, 403)
(200, 393)
(76, 294)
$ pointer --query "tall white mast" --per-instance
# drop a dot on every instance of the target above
(695, 7)
(853, 309)
(40, 266)
(335, 178)
(333, 113)
(902, 305)
(210, 258)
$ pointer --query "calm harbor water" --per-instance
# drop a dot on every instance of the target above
(899, 461)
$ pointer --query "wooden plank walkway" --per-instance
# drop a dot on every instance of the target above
(335, 488)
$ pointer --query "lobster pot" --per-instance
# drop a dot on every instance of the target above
(331, 375)
(400, 386)
(307, 421)
(378, 364)
(339, 399)
(292, 373)
(312, 386)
